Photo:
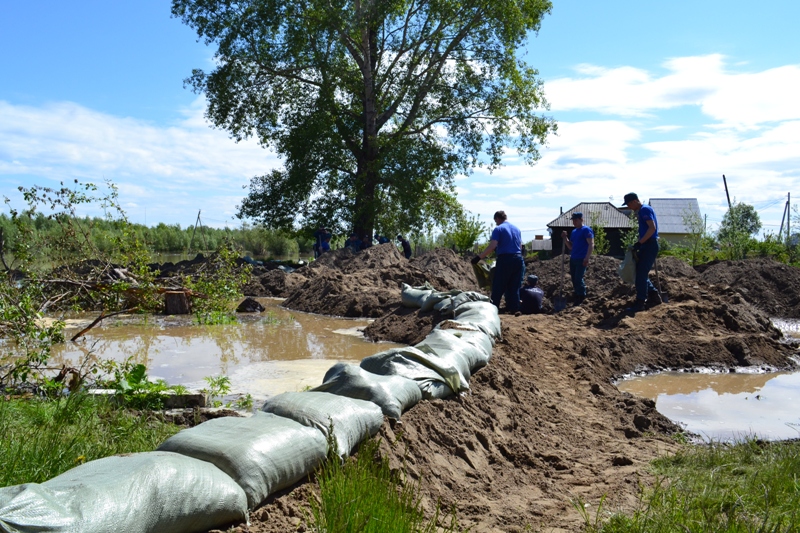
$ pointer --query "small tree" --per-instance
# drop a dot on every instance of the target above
(737, 229)
(465, 231)
(601, 243)
(700, 241)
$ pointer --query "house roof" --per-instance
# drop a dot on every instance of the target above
(671, 213)
(602, 214)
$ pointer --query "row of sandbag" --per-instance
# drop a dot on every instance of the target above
(211, 475)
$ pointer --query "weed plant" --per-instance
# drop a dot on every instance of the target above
(750, 486)
(40, 439)
(363, 495)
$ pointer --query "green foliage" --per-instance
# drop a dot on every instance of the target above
(601, 243)
(746, 487)
(364, 495)
(218, 387)
(132, 385)
(465, 231)
(630, 236)
(40, 439)
(219, 285)
(735, 235)
(374, 107)
(700, 244)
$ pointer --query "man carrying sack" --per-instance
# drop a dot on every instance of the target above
(645, 250)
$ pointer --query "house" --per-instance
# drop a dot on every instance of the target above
(603, 214)
(675, 216)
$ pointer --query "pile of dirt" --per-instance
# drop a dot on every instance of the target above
(769, 285)
(543, 424)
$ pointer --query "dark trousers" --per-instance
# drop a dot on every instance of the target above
(644, 262)
(507, 280)
(577, 271)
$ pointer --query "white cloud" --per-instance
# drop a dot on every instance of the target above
(185, 166)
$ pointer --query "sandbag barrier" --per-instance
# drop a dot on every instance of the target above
(213, 474)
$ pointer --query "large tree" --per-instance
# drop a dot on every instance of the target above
(374, 105)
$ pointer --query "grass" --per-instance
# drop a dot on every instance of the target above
(363, 495)
(40, 439)
(750, 486)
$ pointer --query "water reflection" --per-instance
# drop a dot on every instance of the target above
(277, 350)
(726, 406)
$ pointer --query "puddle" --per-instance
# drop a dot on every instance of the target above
(264, 354)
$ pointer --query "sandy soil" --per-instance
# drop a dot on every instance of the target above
(543, 424)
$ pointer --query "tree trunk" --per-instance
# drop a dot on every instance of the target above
(176, 303)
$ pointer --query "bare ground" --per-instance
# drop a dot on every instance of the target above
(543, 424)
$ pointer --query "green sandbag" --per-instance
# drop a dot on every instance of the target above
(133, 493)
(484, 274)
(482, 315)
(352, 420)
(263, 453)
(464, 356)
(393, 394)
(414, 296)
(627, 269)
(436, 378)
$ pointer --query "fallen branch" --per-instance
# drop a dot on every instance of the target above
(98, 319)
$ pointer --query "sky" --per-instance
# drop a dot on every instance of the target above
(658, 98)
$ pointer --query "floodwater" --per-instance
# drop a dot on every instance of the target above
(728, 406)
(263, 354)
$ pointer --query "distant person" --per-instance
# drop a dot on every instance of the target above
(531, 296)
(354, 243)
(406, 246)
(366, 243)
(506, 240)
(326, 245)
(380, 239)
(319, 237)
(645, 250)
(581, 245)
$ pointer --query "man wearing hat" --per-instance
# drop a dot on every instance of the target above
(645, 249)
(581, 246)
(531, 296)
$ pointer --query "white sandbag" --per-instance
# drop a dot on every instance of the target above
(353, 420)
(414, 296)
(435, 377)
(482, 315)
(461, 354)
(262, 453)
(434, 298)
(444, 307)
(393, 394)
(448, 305)
(627, 269)
(134, 493)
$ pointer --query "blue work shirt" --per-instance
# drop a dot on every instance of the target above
(646, 213)
(509, 239)
(578, 239)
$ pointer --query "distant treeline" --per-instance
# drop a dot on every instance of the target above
(171, 238)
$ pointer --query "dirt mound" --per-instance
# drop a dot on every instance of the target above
(275, 283)
(447, 270)
(769, 285)
(677, 268)
(543, 424)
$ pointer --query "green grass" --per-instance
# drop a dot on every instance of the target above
(40, 439)
(750, 486)
(363, 495)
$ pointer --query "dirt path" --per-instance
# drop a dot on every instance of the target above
(543, 425)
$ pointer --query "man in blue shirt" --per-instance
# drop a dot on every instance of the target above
(645, 249)
(581, 245)
(506, 240)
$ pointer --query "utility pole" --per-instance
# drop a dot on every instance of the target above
(726, 191)
(191, 241)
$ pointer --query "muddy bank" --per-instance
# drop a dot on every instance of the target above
(543, 425)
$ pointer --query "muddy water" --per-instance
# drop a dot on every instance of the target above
(728, 406)
(264, 354)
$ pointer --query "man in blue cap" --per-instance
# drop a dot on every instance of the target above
(506, 240)
(581, 246)
(645, 250)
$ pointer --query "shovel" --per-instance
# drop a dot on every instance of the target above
(560, 302)
(664, 295)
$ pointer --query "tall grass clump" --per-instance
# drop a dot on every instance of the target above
(750, 486)
(363, 495)
(40, 438)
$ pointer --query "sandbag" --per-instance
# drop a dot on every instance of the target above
(262, 453)
(414, 296)
(451, 348)
(393, 394)
(484, 274)
(627, 269)
(482, 315)
(149, 492)
(470, 334)
(436, 297)
(447, 306)
(434, 376)
(352, 420)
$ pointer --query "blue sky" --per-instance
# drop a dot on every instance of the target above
(657, 98)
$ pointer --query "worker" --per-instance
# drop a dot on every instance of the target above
(645, 249)
(380, 239)
(406, 246)
(319, 236)
(354, 243)
(581, 246)
(531, 296)
(506, 241)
